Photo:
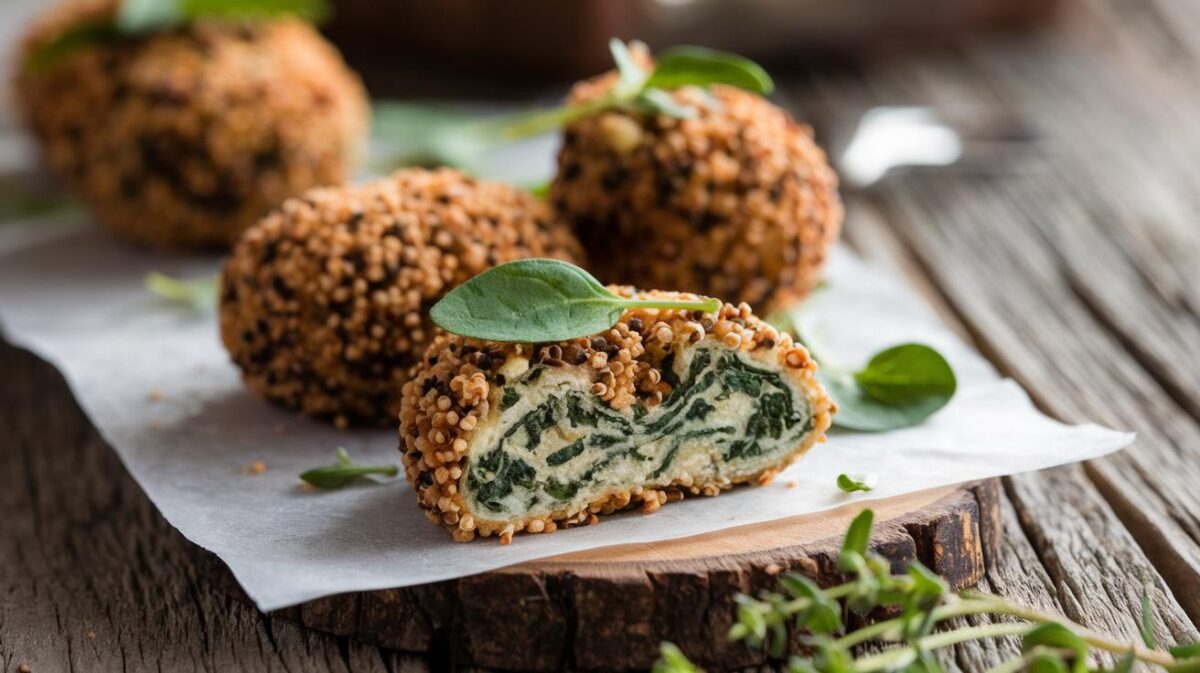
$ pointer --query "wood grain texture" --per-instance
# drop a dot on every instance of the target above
(1076, 272)
(608, 609)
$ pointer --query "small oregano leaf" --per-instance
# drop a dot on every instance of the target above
(698, 66)
(1054, 635)
(824, 613)
(858, 535)
(540, 300)
(1190, 651)
(851, 484)
(344, 472)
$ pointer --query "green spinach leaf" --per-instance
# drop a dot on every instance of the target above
(699, 66)
(540, 300)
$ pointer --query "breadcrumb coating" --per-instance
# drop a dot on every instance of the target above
(738, 203)
(185, 138)
(324, 303)
(460, 380)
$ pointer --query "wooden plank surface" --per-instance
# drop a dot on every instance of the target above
(1080, 277)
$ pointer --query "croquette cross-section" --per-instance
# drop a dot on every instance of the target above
(324, 304)
(504, 438)
(739, 199)
(184, 138)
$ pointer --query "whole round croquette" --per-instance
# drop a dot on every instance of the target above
(184, 138)
(737, 203)
(324, 303)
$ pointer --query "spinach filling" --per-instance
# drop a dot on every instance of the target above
(598, 438)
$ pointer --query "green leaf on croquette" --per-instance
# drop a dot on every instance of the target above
(698, 66)
(135, 18)
(540, 300)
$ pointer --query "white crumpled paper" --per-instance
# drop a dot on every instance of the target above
(154, 379)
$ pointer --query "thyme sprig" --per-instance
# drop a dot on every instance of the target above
(344, 472)
(1050, 643)
(646, 90)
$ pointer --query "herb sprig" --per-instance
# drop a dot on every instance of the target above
(647, 90)
(344, 472)
(136, 18)
(899, 387)
(922, 603)
(540, 300)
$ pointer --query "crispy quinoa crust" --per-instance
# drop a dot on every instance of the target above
(185, 138)
(740, 200)
(459, 381)
(324, 303)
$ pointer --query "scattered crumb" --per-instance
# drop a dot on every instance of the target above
(155, 396)
(281, 429)
(257, 467)
(24, 668)
(155, 425)
(305, 486)
(792, 483)
(91, 635)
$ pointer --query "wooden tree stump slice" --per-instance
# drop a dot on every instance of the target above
(608, 609)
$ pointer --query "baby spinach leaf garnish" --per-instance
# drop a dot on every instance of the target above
(699, 66)
(899, 387)
(638, 88)
(199, 294)
(344, 472)
(851, 484)
(135, 18)
(540, 300)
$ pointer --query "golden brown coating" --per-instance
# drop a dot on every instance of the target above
(459, 384)
(187, 137)
(324, 303)
(738, 203)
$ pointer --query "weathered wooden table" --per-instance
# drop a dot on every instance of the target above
(1078, 275)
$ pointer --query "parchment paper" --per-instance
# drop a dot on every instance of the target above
(154, 379)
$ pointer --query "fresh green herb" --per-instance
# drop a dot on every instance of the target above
(644, 90)
(698, 66)
(851, 484)
(135, 18)
(919, 608)
(344, 472)
(199, 294)
(672, 660)
(899, 387)
(540, 300)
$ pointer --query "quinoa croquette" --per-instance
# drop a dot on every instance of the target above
(738, 203)
(186, 137)
(500, 438)
(324, 303)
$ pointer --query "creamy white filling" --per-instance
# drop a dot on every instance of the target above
(555, 446)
